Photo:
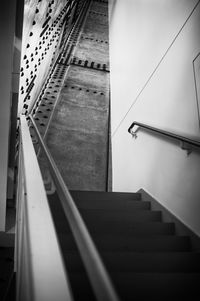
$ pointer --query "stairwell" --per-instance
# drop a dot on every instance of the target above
(144, 256)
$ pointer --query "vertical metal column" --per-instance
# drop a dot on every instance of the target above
(7, 31)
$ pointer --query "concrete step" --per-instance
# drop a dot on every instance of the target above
(134, 205)
(148, 243)
(103, 215)
(157, 286)
(102, 201)
(143, 256)
(163, 262)
(146, 286)
(120, 216)
(118, 228)
(131, 228)
(141, 262)
(113, 204)
(103, 196)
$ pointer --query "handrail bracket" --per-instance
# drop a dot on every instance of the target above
(186, 147)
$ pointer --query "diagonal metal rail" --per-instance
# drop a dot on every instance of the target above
(99, 278)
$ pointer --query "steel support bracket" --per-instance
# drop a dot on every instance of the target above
(186, 146)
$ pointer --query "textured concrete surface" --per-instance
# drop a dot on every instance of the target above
(93, 45)
(42, 32)
(78, 134)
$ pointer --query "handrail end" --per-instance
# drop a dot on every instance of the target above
(131, 126)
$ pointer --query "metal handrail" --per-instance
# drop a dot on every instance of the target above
(99, 278)
(164, 133)
(38, 259)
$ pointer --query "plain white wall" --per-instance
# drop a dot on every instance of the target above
(152, 47)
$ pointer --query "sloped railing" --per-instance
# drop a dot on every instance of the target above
(98, 276)
(41, 274)
(175, 136)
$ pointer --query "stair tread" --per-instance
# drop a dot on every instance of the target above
(122, 215)
(127, 227)
(148, 286)
(179, 285)
(102, 195)
(135, 207)
(132, 228)
(164, 262)
(110, 204)
(136, 243)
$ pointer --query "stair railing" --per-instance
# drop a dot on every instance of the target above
(99, 278)
(40, 272)
(186, 142)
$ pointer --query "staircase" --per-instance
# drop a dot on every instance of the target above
(143, 255)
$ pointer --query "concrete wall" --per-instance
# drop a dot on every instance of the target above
(154, 47)
(78, 134)
(42, 32)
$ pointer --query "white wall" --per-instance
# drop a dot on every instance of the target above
(152, 49)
